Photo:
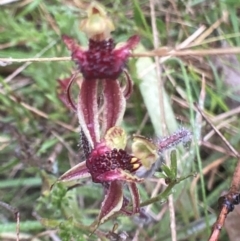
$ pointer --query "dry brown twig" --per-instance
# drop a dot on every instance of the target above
(159, 52)
(226, 202)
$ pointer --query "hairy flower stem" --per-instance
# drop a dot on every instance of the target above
(161, 197)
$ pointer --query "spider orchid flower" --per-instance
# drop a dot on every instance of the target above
(101, 97)
(112, 166)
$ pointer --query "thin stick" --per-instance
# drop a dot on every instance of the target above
(219, 224)
(198, 52)
(231, 200)
(21, 68)
(231, 148)
(52, 59)
(235, 184)
(159, 53)
(216, 148)
(211, 29)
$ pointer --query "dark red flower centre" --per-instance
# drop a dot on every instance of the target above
(111, 160)
(99, 61)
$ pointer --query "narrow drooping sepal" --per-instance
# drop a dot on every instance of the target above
(77, 172)
(113, 201)
(114, 104)
(88, 111)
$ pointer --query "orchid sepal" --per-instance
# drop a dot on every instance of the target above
(79, 171)
(135, 197)
(112, 203)
(87, 110)
(123, 50)
(114, 104)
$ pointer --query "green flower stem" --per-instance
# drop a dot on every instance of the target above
(164, 195)
(161, 197)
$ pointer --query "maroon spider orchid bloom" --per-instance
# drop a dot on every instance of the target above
(110, 165)
(101, 99)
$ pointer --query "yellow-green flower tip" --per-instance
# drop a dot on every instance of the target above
(97, 26)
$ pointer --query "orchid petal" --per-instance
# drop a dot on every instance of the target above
(113, 201)
(122, 51)
(64, 92)
(88, 111)
(127, 91)
(135, 197)
(77, 172)
(118, 174)
(116, 138)
(62, 87)
(114, 104)
(77, 51)
(132, 42)
(145, 150)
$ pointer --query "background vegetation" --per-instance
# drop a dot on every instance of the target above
(39, 137)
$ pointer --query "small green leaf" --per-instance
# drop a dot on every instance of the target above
(160, 175)
(173, 157)
(167, 171)
(139, 17)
